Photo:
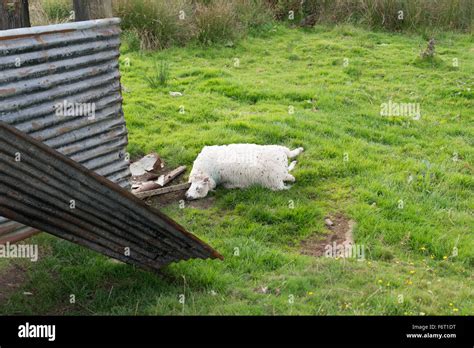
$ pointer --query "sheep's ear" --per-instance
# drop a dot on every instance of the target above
(206, 179)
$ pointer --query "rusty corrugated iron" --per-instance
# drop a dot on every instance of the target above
(72, 202)
(74, 62)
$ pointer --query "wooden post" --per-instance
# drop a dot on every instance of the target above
(14, 14)
(92, 9)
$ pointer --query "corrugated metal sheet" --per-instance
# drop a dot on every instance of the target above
(77, 62)
(105, 217)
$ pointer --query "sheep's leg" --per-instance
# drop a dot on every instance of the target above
(292, 166)
(289, 177)
(295, 152)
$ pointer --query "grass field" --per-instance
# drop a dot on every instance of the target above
(408, 183)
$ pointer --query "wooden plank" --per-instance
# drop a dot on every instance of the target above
(161, 191)
(165, 179)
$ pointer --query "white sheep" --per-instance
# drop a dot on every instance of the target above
(240, 166)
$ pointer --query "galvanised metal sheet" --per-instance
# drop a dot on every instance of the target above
(64, 67)
(74, 203)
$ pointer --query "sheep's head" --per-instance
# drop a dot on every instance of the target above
(199, 188)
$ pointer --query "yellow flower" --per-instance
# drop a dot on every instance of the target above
(432, 257)
(422, 313)
(422, 248)
(310, 293)
(380, 281)
(455, 310)
(445, 257)
(412, 272)
(450, 304)
(409, 282)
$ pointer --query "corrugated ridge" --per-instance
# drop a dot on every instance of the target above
(33, 117)
(58, 53)
(58, 67)
(64, 91)
(58, 80)
(54, 40)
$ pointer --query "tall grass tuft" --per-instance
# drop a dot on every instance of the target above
(159, 24)
(43, 12)
(252, 14)
(216, 22)
(159, 76)
(57, 9)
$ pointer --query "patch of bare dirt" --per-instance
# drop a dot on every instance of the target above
(340, 228)
(12, 279)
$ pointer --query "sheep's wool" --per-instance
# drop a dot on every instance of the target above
(243, 165)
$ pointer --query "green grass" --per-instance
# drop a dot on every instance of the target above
(409, 251)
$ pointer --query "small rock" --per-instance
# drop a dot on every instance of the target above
(27, 293)
(262, 289)
(176, 94)
(328, 222)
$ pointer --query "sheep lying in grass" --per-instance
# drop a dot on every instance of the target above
(240, 166)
